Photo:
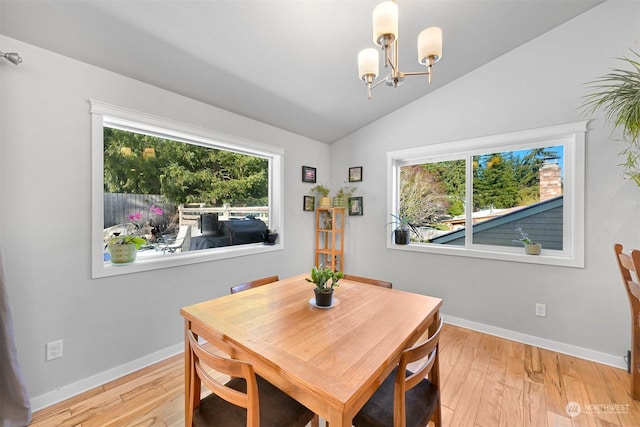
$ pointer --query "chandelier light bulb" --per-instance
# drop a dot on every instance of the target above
(385, 23)
(368, 63)
(430, 46)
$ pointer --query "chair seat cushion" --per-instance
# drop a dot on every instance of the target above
(420, 404)
(277, 409)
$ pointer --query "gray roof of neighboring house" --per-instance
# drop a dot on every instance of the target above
(541, 221)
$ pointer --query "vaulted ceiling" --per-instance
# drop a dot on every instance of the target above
(291, 64)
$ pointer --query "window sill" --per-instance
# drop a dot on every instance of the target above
(106, 269)
(547, 257)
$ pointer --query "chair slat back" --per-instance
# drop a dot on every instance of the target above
(629, 268)
(254, 284)
(204, 361)
(368, 281)
(427, 353)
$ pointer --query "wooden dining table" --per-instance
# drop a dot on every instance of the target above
(329, 359)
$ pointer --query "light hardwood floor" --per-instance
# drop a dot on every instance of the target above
(486, 382)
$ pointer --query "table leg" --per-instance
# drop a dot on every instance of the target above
(338, 419)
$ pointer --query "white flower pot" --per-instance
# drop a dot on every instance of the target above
(532, 248)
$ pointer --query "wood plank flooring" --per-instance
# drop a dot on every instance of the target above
(486, 382)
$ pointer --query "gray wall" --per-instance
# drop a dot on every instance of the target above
(45, 174)
(106, 323)
(539, 84)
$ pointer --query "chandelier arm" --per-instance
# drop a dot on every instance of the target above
(378, 83)
(388, 61)
(421, 73)
(418, 73)
(371, 86)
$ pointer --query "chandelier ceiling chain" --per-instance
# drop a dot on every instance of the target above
(385, 35)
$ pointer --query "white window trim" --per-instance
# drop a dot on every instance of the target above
(104, 114)
(571, 135)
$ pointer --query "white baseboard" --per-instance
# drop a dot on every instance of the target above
(67, 391)
(571, 350)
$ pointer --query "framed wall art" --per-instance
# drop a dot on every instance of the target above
(308, 203)
(308, 174)
(355, 174)
(355, 206)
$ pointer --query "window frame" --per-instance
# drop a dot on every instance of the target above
(571, 135)
(103, 114)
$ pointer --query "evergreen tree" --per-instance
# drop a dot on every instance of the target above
(182, 172)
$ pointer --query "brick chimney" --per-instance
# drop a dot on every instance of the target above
(550, 180)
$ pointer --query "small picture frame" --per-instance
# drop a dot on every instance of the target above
(355, 174)
(355, 206)
(308, 174)
(308, 203)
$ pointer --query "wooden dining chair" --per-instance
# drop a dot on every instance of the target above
(407, 398)
(253, 284)
(247, 400)
(630, 268)
(368, 281)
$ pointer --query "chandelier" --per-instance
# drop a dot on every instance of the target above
(385, 35)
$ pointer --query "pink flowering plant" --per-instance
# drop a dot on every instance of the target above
(135, 237)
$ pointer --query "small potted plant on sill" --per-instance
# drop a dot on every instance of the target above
(530, 247)
(325, 280)
(270, 237)
(123, 249)
(323, 195)
(404, 228)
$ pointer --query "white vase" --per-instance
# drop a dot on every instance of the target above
(532, 248)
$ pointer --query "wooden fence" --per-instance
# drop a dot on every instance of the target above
(118, 207)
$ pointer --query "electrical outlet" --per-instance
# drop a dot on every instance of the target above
(541, 310)
(54, 350)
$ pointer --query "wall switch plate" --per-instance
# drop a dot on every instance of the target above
(541, 310)
(54, 350)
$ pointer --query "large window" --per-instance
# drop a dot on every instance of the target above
(477, 197)
(191, 194)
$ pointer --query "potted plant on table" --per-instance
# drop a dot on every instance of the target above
(123, 248)
(404, 228)
(530, 247)
(325, 280)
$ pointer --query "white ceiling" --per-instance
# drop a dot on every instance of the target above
(291, 64)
